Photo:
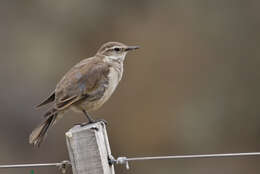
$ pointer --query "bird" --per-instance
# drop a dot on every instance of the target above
(84, 88)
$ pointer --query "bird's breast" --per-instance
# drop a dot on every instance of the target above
(114, 77)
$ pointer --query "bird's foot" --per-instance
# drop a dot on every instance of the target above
(100, 120)
(92, 121)
(81, 124)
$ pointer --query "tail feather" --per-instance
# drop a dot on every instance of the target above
(51, 111)
(39, 133)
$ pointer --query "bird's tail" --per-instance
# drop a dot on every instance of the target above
(39, 133)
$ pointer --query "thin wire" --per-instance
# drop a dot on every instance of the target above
(35, 165)
(125, 160)
(194, 156)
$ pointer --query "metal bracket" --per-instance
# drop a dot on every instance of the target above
(64, 166)
(119, 160)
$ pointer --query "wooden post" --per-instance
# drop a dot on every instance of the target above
(89, 149)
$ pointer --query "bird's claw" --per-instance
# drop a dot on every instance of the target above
(93, 121)
(101, 120)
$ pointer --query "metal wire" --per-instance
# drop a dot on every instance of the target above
(60, 164)
(125, 160)
(195, 156)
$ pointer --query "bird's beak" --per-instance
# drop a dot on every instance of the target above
(130, 48)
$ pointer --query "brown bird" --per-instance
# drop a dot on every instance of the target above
(85, 87)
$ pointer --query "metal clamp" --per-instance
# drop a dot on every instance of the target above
(123, 160)
(119, 160)
(63, 166)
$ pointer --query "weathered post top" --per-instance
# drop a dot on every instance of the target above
(89, 149)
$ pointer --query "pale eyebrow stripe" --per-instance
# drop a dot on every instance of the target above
(111, 48)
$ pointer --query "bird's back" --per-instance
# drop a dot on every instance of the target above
(87, 79)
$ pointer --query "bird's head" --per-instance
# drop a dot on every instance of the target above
(115, 51)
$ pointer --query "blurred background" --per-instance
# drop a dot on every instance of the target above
(192, 88)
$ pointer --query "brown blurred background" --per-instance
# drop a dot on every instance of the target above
(193, 87)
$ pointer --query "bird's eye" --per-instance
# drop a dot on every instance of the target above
(117, 49)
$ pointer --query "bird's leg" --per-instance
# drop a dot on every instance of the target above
(90, 119)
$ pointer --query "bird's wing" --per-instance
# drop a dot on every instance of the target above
(50, 99)
(87, 79)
